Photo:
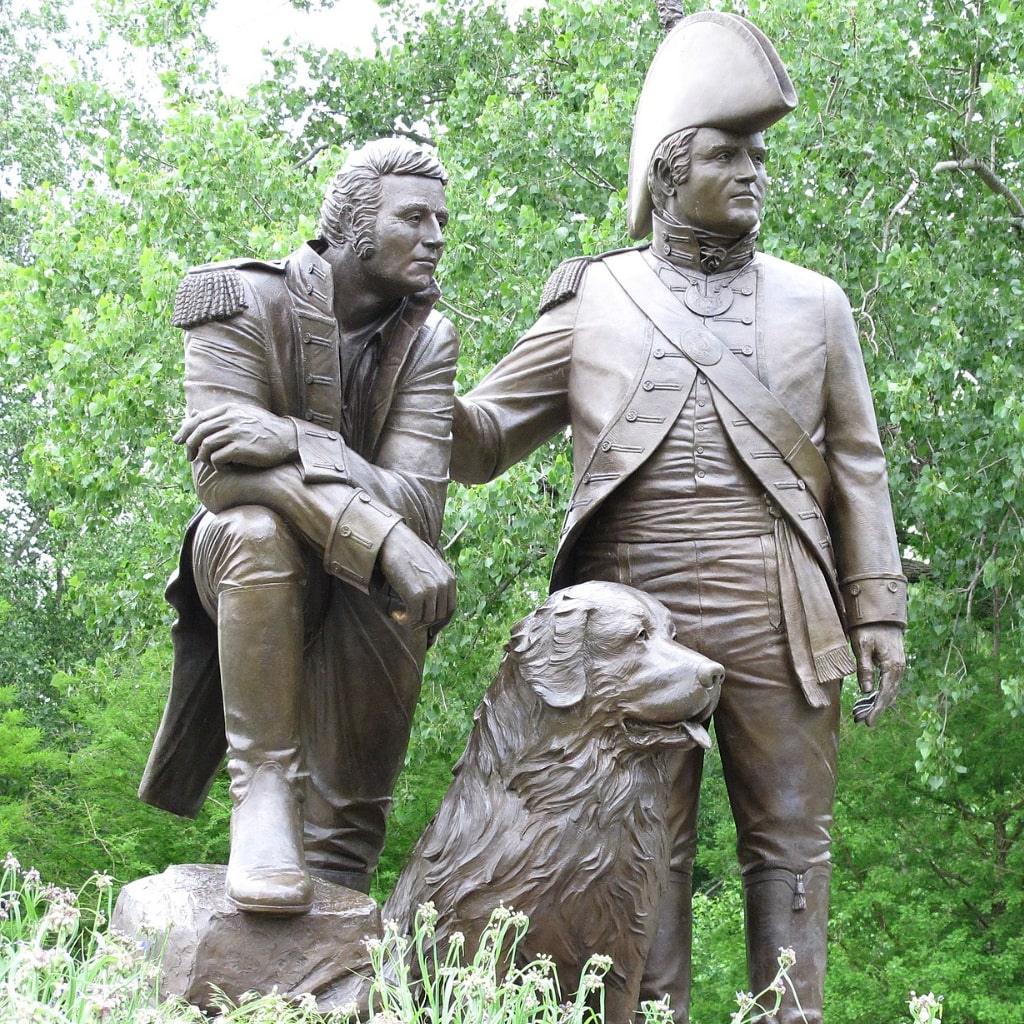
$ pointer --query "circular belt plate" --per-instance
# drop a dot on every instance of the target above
(701, 346)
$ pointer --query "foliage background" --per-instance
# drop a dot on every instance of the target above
(900, 175)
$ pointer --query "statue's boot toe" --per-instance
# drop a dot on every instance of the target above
(270, 890)
(267, 869)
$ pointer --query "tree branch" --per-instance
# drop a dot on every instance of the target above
(990, 178)
(900, 207)
(312, 154)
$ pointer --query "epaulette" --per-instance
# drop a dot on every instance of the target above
(214, 291)
(564, 283)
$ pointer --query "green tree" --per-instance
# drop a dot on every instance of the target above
(900, 175)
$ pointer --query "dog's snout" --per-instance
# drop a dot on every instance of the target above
(711, 675)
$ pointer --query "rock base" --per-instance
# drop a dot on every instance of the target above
(201, 941)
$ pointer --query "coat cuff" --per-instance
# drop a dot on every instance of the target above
(355, 539)
(322, 454)
(878, 597)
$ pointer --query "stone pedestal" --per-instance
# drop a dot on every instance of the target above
(200, 940)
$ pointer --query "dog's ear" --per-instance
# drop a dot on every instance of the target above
(548, 648)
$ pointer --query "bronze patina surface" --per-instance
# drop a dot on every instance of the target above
(727, 462)
(318, 424)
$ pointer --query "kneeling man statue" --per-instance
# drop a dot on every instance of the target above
(318, 425)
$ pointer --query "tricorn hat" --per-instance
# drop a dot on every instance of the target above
(712, 70)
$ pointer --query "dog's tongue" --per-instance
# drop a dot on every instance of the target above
(698, 734)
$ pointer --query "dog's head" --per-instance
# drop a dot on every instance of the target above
(610, 651)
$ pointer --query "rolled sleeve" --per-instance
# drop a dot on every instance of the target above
(356, 538)
(323, 456)
(871, 599)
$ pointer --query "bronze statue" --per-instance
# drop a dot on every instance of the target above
(559, 804)
(319, 405)
(727, 462)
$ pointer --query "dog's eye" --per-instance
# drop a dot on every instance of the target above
(643, 636)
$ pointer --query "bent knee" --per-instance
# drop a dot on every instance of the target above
(250, 524)
(247, 546)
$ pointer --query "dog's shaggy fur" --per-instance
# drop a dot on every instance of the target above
(558, 805)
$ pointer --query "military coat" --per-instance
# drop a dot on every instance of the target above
(264, 333)
(597, 363)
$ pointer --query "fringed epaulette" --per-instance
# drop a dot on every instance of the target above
(213, 291)
(564, 283)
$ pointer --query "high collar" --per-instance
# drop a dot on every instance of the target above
(312, 276)
(694, 249)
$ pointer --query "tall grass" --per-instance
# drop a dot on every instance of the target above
(60, 964)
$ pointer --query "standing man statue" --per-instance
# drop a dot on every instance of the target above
(727, 462)
(319, 410)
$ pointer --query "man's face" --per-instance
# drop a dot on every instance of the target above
(408, 235)
(725, 190)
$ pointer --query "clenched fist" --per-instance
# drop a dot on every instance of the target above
(420, 578)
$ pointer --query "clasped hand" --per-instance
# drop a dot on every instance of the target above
(234, 433)
(878, 649)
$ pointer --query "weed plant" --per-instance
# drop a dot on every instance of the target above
(59, 964)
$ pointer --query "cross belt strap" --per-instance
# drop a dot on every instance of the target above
(716, 361)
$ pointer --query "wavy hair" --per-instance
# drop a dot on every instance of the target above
(675, 151)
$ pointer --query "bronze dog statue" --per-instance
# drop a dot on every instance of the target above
(557, 808)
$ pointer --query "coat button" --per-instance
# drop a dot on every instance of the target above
(606, 446)
(345, 531)
(308, 414)
(631, 416)
(659, 353)
(648, 385)
(855, 590)
(893, 586)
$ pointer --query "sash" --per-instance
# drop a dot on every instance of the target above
(716, 361)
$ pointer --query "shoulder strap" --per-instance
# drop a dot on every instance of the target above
(214, 291)
(704, 348)
(563, 284)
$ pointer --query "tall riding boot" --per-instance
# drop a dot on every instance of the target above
(260, 644)
(788, 910)
(667, 971)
